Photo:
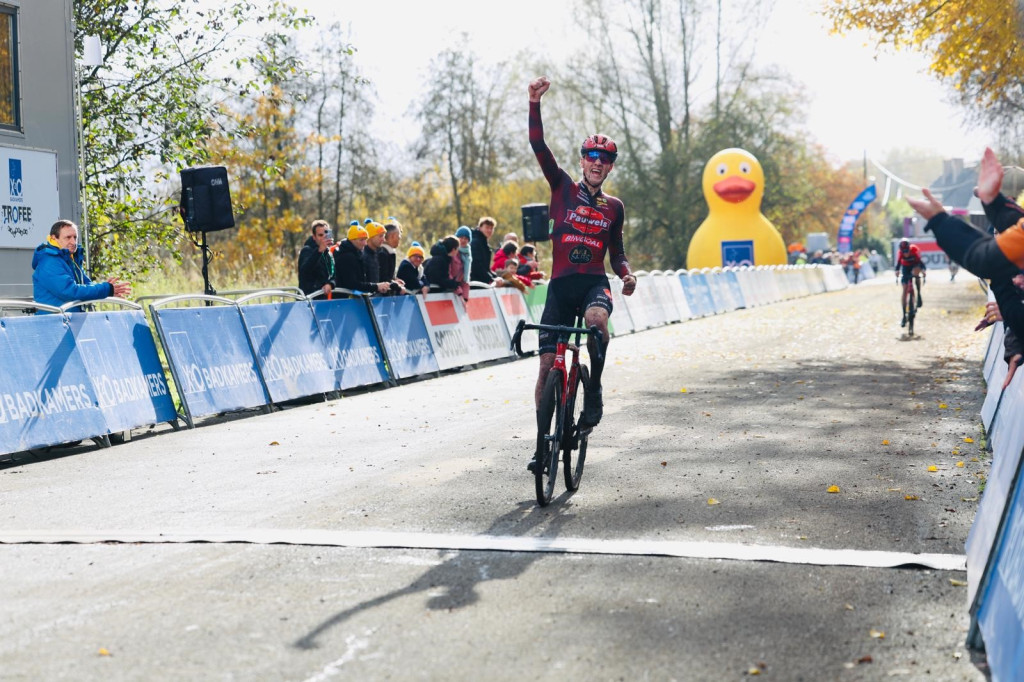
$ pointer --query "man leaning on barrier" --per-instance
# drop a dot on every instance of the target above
(316, 262)
(58, 276)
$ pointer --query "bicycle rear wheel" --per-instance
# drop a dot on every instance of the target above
(549, 435)
(572, 439)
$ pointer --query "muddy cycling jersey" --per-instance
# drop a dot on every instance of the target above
(584, 227)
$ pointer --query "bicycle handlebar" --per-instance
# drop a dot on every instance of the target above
(562, 331)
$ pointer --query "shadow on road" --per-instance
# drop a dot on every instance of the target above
(461, 571)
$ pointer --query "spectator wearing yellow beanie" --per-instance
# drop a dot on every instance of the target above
(410, 271)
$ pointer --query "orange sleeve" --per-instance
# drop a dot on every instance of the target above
(1011, 243)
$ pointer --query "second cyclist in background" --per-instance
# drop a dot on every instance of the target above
(909, 267)
(586, 225)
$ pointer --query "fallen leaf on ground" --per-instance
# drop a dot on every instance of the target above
(957, 583)
(933, 468)
(848, 607)
(960, 465)
(876, 634)
(274, 442)
(712, 500)
(664, 464)
(103, 652)
(682, 390)
(943, 406)
(865, 659)
(911, 497)
(968, 440)
(885, 442)
(832, 489)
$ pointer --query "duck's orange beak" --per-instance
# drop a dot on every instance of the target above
(734, 189)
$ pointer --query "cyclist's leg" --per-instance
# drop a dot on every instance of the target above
(597, 307)
(553, 314)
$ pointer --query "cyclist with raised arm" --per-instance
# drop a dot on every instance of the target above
(585, 226)
(909, 266)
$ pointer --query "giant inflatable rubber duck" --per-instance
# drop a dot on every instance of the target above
(735, 232)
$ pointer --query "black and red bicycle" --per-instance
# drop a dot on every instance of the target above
(561, 405)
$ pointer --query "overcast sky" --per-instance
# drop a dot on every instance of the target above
(859, 102)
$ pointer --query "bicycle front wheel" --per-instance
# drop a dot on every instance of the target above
(573, 439)
(549, 435)
(911, 314)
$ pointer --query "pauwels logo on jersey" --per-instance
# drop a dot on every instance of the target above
(587, 220)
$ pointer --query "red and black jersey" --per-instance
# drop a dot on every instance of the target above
(584, 227)
(911, 258)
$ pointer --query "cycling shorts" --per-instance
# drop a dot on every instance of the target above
(568, 297)
(907, 273)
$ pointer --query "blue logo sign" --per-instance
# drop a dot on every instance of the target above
(14, 171)
(737, 253)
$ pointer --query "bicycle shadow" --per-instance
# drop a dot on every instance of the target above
(463, 570)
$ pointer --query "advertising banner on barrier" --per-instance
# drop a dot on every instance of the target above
(690, 293)
(352, 344)
(1006, 452)
(669, 311)
(46, 397)
(620, 321)
(639, 304)
(124, 369)
(210, 358)
(1001, 610)
(702, 291)
(453, 344)
(675, 288)
(535, 300)
(405, 336)
(484, 319)
(513, 309)
(735, 289)
(289, 349)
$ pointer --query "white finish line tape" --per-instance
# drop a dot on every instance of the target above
(504, 543)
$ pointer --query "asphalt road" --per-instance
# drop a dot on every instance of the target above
(393, 534)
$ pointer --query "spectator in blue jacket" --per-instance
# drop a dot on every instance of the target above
(58, 276)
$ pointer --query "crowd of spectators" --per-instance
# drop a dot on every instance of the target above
(366, 261)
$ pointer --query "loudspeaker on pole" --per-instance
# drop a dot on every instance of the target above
(535, 223)
(206, 199)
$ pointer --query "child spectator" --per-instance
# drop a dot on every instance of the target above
(507, 250)
(528, 265)
(511, 279)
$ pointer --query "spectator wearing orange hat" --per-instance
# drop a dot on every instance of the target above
(410, 271)
(349, 271)
(371, 260)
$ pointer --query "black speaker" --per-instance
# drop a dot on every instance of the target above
(206, 199)
(535, 223)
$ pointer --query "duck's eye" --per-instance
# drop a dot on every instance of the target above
(722, 169)
(744, 168)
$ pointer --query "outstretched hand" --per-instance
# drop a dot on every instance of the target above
(990, 177)
(1012, 368)
(929, 207)
(121, 289)
(538, 87)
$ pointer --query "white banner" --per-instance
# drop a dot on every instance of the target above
(29, 197)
